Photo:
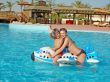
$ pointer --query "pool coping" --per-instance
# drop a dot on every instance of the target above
(77, 28)
(83, 28)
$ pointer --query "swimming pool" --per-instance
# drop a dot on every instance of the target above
(16, 46)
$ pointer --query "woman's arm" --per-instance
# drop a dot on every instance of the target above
(62, 47)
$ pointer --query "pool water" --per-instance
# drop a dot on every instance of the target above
(16, 65)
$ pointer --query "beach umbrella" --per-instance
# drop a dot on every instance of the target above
(23, 3)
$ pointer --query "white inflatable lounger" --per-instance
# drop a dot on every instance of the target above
(66, 60)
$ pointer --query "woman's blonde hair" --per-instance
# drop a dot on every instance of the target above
(63, 29)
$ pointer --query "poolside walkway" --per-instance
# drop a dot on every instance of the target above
(81, 27)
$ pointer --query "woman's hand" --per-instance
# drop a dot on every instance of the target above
(49, 55)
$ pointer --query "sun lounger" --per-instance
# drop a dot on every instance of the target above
(96, 23)
(28, 23)
(108, 25)
(103, 24)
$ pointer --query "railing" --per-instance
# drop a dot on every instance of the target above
(42, 20)
(24, 17)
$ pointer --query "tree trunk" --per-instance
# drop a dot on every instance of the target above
(21, 8)
(10, 9)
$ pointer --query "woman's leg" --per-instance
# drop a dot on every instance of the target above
(81, 58)
(56, 58)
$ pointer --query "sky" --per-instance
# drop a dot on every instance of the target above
(93, 3)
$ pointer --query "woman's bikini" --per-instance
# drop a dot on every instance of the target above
(66, 50)
(82, 51)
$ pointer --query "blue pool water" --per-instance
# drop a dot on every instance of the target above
(16, 65)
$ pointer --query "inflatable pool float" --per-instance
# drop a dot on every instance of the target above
(42, 55)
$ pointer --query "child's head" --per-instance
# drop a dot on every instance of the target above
(55, 33)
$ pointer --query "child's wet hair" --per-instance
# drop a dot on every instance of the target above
(52, 34)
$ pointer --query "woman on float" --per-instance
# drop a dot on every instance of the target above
(80, 53)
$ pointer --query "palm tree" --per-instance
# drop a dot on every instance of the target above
(50, 3)
(10, 5)
(79, 4)
(32, 2)
(36, 2)
(61, 5)
(2, 6)
(87, 5)
(107, 6)
(20, 2)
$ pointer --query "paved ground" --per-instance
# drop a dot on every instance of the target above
(81, 27)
